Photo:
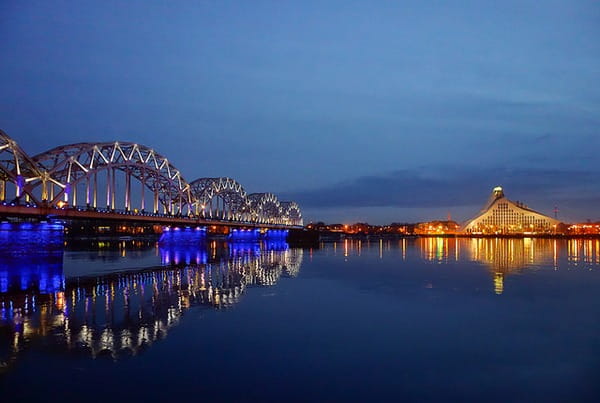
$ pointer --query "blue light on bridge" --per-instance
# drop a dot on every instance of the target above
(244, 235)
(20, 184)
(251, 248)
(277, 234)
(182, 236)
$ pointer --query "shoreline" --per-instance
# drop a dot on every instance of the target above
(328, 237)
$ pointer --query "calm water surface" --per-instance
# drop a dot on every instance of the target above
(410, 320)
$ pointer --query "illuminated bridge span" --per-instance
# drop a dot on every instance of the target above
(94, 180)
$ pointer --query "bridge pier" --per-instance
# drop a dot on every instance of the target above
(182, 236)
(245, 235)
(276, 234)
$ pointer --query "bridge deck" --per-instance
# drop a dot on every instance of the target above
(149, 218)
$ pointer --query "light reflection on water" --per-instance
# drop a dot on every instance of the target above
(124, 312)
(501, 256)
(438, 311)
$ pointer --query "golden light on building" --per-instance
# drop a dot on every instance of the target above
(503, 216)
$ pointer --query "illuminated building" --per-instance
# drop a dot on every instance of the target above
(503, 216)
(584, 229)
(436, 228)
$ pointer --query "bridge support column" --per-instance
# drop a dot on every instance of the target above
(155, 200)
(170, 203)
(19, 185)
(127, 190)
(108, 188)
(87, 191)
(143, 202)
(114, 188)
(44, 190)
(2, 190)
(95, 204)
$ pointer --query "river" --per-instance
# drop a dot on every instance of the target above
(422, 319)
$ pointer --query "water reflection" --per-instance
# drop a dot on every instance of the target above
(501, 256)
(504, 256)
(119, 314)
(29, 238)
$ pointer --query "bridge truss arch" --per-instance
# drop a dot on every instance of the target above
(266, 208)
(291, 213)
(94, 167)
(222, 198)
(89, 174)
(17, 169)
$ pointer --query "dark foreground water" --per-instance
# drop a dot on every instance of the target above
(408, 320)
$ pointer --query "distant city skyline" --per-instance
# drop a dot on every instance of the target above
(359, 112)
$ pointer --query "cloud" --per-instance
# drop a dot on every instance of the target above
(449, 187)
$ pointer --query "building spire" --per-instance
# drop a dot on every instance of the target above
(498, 192)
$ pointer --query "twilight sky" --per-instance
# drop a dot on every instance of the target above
(371, 111)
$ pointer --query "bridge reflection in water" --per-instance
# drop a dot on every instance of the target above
(121, 313)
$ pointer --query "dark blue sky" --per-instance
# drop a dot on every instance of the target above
(358, 110)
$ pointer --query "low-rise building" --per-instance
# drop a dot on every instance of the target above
(437, 228)
(584, 229)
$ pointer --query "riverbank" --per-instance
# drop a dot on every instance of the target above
(340, 236)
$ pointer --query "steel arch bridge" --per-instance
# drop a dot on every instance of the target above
(16, 169)
(265, 208)
(223, 198)
(129, 178)
(74, 166)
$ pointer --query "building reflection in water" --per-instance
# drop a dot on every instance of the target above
(504, 256)
(120, 314)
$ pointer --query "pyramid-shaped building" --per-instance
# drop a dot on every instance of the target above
(503, 216)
